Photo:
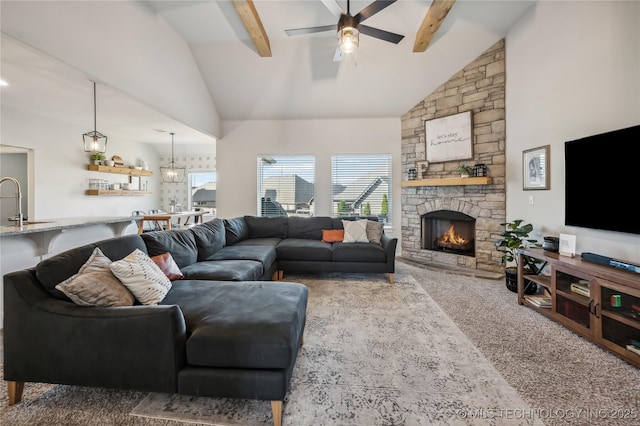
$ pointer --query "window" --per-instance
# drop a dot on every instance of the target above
(203, 191)
(362, 186)
(286, 185)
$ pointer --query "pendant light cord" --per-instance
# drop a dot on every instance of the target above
(95, 111)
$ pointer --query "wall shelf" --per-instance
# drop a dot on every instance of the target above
(484, 180)
(119, 170)
(115, 192)
(132, 173)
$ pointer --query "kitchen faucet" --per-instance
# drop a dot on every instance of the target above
(18, 198)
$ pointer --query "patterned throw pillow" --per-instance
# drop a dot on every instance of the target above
(95, 284)
(355, 231)
(374, 231)
(332, 235)
(142, 277)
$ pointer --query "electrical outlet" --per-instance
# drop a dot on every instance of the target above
(530, 200)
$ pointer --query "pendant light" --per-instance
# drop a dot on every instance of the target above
(94, 141)
(173, 172)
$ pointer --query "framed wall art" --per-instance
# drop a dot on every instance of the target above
(449, 138)
(535, 168)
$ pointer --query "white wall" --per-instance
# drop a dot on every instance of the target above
(60, 175)
(243, 141)
(573, 70)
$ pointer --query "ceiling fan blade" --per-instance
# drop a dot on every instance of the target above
(338, 56)
(380, 34)
(311, 30)
(372, 9)
(333, 7)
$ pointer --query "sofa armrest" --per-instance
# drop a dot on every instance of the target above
(389, 245)
(54, 341)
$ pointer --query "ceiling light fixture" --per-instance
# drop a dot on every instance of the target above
(348, 34)
(173, 172)
(94, 141)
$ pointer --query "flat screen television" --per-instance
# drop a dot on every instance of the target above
(602, 181)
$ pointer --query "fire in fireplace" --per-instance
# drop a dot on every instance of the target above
(452, 241)
(448, 231)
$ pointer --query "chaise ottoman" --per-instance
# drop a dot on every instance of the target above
(242, 338)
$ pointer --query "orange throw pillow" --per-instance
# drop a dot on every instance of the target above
(332, 235)
(166, 263)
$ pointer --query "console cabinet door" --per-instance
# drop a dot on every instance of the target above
(572, 309)
(619, 328)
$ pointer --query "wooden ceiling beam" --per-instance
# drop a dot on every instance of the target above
(251, 20)
(432, 21)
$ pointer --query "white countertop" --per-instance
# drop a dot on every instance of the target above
(60, 224)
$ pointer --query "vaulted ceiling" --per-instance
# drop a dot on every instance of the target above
(300, 78)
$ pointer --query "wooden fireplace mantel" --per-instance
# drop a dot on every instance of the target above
(485, 180)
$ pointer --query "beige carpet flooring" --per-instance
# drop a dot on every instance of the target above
(562, 378)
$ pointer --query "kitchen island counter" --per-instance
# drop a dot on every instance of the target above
(118, 223)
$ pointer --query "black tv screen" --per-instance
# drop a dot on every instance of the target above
(602, 181)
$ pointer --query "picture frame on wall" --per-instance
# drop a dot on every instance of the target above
(449, 138)
(535, 168)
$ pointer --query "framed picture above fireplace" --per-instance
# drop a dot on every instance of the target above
(535, 168)
(449, 138)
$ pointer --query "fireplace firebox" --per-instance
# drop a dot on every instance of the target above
(449, 231)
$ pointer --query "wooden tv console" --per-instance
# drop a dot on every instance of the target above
(592, 315)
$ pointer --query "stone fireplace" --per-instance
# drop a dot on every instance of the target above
(439, 198)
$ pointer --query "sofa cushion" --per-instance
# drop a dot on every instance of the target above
(142, 277)
(263, 254)
(355, 231)
(168, 266)
(52, 271)
(210, 237)
(236, 230)
(358, 252)
(308, 227)
(241, 325)
(267, 227)
(181, 243)
(259, 242)
(337, 221)
(95, 284)
(303, 249)
(224, 270)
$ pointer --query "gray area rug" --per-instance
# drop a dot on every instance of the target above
(374, 354)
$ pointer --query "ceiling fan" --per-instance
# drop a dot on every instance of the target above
(349, 27)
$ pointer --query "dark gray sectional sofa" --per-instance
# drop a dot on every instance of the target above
(298, 245)
(224, 330)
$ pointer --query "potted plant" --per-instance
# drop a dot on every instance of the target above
(514, 237)
(465, 171)
(97, 158)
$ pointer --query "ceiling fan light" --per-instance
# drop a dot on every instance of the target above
(349, 39)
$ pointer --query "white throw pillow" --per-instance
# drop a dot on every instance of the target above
(142, 277)
(355, 231)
